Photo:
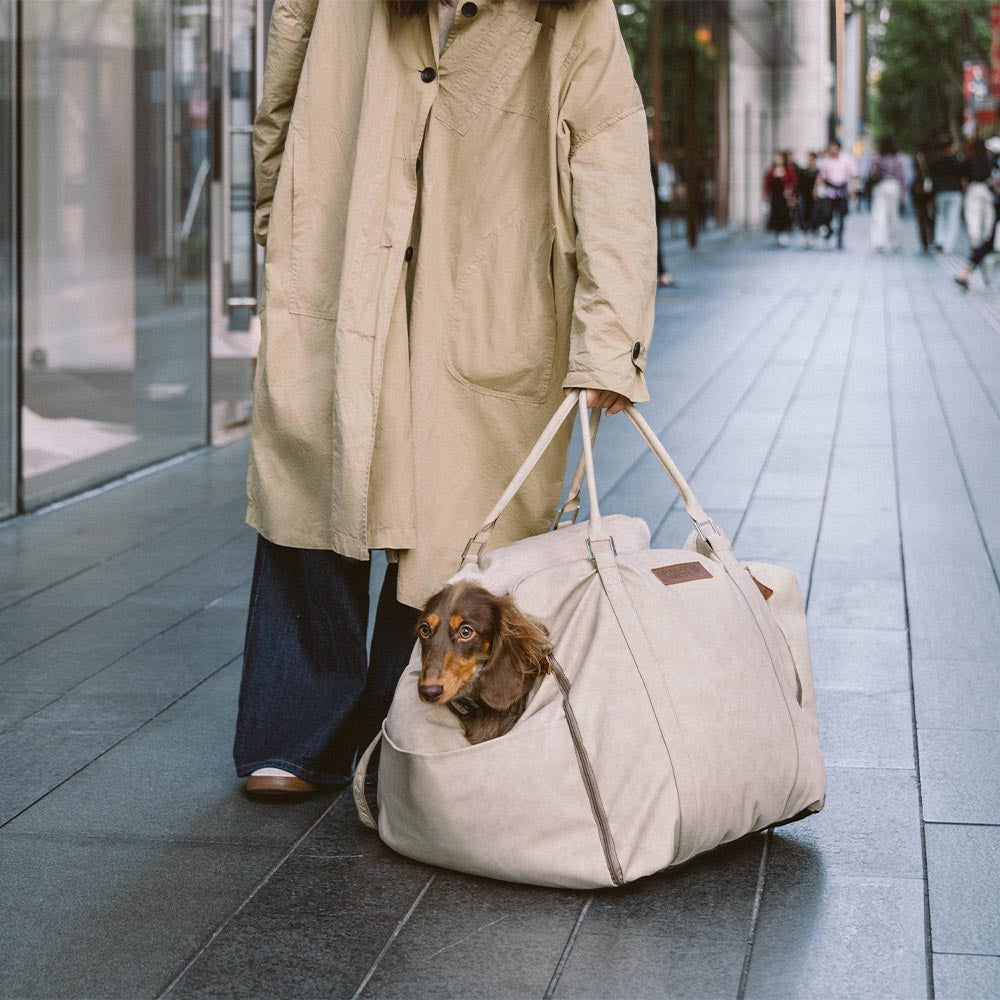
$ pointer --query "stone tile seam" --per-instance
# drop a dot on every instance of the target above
(131, 732)
(891, 400)
(397, 930)
(125, 655)
(971, 954)
(260, 885)
(156, 536)
(807, 363)
(126, 597)
(992, 319)
(758, 897)
(563, 960)
(956, 451)
(729, 359)
(961, 822)
(693, 471)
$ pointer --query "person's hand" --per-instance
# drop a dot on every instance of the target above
(604, 399)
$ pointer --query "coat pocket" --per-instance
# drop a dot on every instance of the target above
(313, 288)
(501, 336)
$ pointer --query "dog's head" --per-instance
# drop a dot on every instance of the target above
(468, 634)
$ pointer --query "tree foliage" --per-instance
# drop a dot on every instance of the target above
(922, 48)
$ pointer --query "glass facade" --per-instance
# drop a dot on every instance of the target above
(8, 274)
(128, 270)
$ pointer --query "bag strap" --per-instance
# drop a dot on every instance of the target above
(365, 813)
(709, 531)
(571, 505)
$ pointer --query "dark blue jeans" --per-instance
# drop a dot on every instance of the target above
(311, 697)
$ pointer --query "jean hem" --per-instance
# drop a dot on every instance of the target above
(316, 777)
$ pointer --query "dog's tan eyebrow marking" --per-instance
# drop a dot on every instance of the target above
(433, 620)
(455, 621)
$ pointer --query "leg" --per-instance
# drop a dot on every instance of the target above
(304, 663)
(392, 643)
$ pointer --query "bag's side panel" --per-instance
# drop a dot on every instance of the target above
(514, 808)
(613, 711)
(722, 688)
(789, 612)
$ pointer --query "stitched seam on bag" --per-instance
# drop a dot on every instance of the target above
(682, 820)
(590, 785)
(777, 677)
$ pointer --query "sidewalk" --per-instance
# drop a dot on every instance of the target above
(836, 413)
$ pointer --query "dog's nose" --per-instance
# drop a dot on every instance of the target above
(430, 692)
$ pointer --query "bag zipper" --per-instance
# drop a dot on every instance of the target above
(589, 779)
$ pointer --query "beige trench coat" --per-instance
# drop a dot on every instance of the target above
(449, 242)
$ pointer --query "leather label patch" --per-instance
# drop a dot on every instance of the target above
(681, 573)
(762, 587)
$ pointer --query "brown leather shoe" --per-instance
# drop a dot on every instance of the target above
(278, 785)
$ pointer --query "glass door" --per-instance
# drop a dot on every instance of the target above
(8, 262)
(239, 261)
(115, 165)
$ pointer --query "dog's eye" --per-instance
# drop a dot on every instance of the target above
(424, 630)
(466, 632)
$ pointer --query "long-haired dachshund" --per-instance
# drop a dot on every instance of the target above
(480, 657)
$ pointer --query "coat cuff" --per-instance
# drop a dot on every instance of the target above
(631, 385)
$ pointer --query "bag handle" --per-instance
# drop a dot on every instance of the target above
(571, 505)
(360, 772)
(709, 531)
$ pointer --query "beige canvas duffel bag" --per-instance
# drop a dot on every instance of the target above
(679, 713)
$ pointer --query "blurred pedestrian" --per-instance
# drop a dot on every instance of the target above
(977, 203)
(982, 215)
(664, 278)
(836, 171)
(779, 192)
(922, 194)
(887, 173)
(805, 187)
(947, 176)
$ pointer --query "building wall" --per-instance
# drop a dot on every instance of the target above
(781, 88)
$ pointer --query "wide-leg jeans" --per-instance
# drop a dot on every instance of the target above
(311, 696)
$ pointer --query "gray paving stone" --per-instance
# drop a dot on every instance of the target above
(859, 659)
(47, 748)
(173, 779)
(316, 927)
(473, 938)
(963, 881)
(679, 934)
(870, 825)
(958, 776)
(860, 729)
(15, 707)
(853, 601)
(966, 977)
(110, 919)
(78, 653)
(956, 694)
(828, 935)
(43, 549)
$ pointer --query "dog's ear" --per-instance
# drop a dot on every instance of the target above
(519, 654)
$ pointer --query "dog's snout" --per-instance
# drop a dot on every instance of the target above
(431, 692)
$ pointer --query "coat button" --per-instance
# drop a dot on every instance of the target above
(636, 350)
(428, 73)
(409, 253)
(469, 9)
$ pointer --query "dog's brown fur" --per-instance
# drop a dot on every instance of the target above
(480, 655)
(403, 9)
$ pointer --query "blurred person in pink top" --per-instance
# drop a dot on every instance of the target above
(836, 171)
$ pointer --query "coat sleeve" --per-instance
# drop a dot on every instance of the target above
(288, 36)
(614, 210)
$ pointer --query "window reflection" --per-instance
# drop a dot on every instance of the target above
(115, 156)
